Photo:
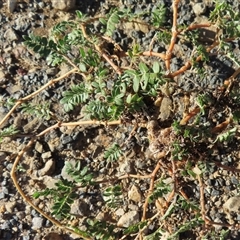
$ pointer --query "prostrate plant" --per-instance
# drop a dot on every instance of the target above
(6, 132)
(109, 91)
(65, 192)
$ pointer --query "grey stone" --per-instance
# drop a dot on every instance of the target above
(5, 190)
(11, 5)
(26, 238)
(3, 155)
(39, 147)
(29, 127)
(18, 121)
(234, 180)
(37, 223)
(134, 194)
(128, 219)
(2, 195)
(20, 215)
(232, 204)
(13, 89)
(79, 208)
(48, 169)
(199, 8)
(10, 206)
(66, 139)
(6, 225)
(22, 23)
(119, 212)
(10, 35)
(63, 5)
(46, 155)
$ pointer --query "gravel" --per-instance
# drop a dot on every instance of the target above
(22, 73)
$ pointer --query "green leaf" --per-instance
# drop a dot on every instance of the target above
(76, 95)
(36, 195)
(112, 22)
(156, 67)
(143, 67)
(113, 153)
(79, 14)
(6, 132)
(136, 84)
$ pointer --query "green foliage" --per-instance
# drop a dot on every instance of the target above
(104, 95)
(187, 171)
(79, 175)
(160, 189)
(63, 196)
(39, 110)
(158, 16)
(113, 196)
(64, 193)
(227, 19)
(77, 94)
(112, 21)
(97, 109)
(220, 235)
(7, 132)
(9, 103)
(160, 233)
(193, 223)
(101, 230)
(113, 153)
(145, 80)
(135, 227)
(227, 136)
(178, 150)
(164, 36)
(202, 101)
(40, 45)
(187, 205)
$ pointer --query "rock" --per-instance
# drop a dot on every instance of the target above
(46, 155)
(79, 208)
(49, 182)
(48, 169)
(30, 126)
(199, 8)
(134, 194)
(232, 204)
(18, 121)
(3, 155)
(10, 35)
(13, 89)
(2, 208)
(11, 4)
(128, 219)
(126, 167)
(119, 212)
(20, 215)
(6, 225)
(9, 206)
(65, 139)
(63, 5)
(22, 23)
(165, 108)
(2, 74)
(64, 172)
(37, 223)
(2, 195)
(52, 236)
(39, 147)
